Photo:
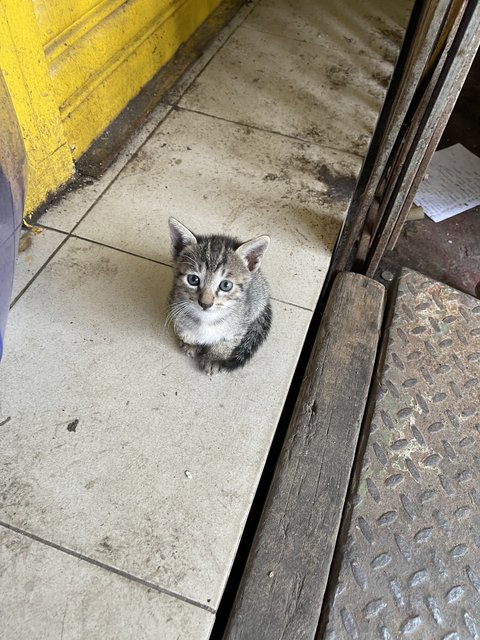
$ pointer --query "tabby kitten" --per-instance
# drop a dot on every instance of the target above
(219, 302)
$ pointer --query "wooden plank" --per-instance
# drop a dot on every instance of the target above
(281, 593)
(455, 65)
(419, 41)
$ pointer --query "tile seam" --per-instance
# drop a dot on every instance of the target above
(107, 567)
(227, 31)
(271, 131)
(378, 58)
(134, 255)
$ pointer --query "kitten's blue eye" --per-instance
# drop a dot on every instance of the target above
(225, 285)
(193, 280)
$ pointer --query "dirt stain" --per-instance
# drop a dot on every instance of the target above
(72, 426)
(105, 544)
(340, 187)
(338, 76)
(25, 242)
(381, 78)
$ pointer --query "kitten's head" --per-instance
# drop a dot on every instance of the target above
(213, 272)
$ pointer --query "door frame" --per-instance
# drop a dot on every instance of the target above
(440, 44)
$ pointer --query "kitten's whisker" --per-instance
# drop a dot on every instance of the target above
(177, 310)
(177, 307)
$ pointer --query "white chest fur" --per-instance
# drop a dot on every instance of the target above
(206, 331)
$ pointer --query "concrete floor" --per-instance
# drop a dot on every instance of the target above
(127, 475)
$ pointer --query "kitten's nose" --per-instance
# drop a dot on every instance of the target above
(205, 305)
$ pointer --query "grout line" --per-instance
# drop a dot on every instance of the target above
(377, 57)
(70, 234)
(276, 133)
(228, 30)
(107, 567)
(128, 253)
(35, 276)
(46, 226)
(292, 304)
(117, 175)
(108, 246)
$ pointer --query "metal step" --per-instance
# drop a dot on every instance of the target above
(410, 563)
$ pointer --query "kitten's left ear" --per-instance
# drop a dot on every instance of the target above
(180, 236)
(253, 251)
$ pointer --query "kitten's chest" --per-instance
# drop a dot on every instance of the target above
(206, 333)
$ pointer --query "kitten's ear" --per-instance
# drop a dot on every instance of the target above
(253, 251)
(180, 236)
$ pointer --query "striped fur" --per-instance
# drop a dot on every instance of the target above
(219, 303)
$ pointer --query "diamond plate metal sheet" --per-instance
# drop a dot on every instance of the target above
(411, 560)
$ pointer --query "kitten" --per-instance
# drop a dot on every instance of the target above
(219, 302)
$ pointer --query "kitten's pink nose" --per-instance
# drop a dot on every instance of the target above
(205, 305)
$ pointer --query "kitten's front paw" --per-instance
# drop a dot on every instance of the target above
(191, 350)
(210, 366)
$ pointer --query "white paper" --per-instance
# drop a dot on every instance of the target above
(452, 184)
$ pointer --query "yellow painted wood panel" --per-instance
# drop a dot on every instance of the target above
(71, 67)
(93, 46)
(111, 49)
(26, 76)
(55, 17)
(103, 60)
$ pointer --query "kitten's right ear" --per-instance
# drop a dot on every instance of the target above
(180, 236)
(253, 251)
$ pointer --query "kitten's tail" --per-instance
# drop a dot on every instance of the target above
(257, 333)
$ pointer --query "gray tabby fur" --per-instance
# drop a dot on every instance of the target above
(221, 329)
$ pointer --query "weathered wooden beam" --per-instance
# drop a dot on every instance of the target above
(281, 593)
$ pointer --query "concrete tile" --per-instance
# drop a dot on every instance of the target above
(217, 177)
(183, 83)
(48, 594)
(66, 212)
(310, 92)
(38, 247)
(373, 28)
(102, 417)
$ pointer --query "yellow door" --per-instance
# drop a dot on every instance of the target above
(26, 78)
(71, 67)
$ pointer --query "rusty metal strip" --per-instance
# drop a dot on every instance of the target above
(410, 562)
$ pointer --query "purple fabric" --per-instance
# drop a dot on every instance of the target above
(12, 186)
(10, 224)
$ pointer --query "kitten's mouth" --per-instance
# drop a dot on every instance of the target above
(201, 310)
(211, 313)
